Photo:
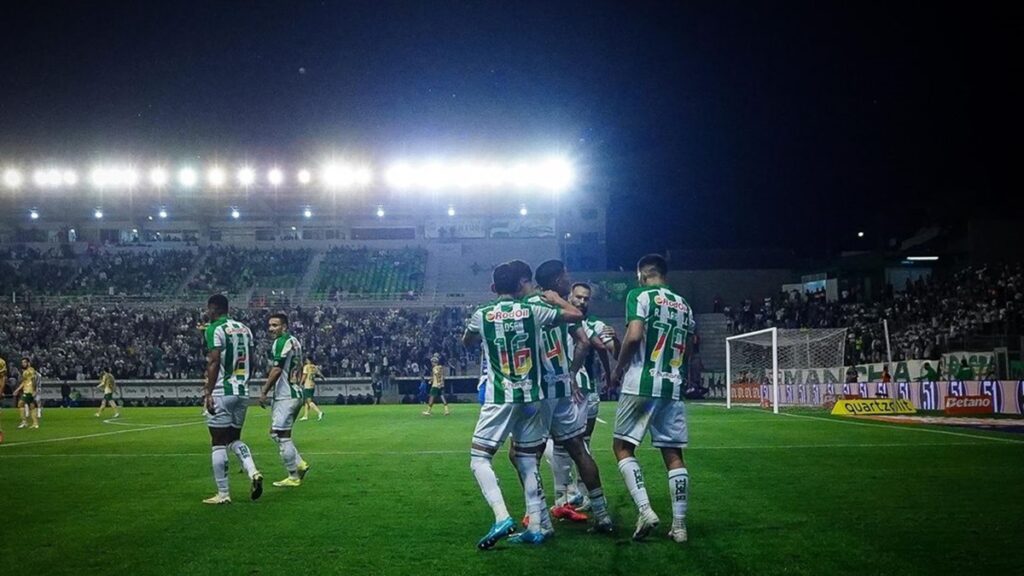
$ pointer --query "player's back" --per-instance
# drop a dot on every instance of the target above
(235, 342)
(658, 368)
(284, 354)
(556, 360)
(510, 332)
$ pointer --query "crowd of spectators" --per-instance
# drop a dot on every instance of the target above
(927, 318)
(230, 269)
(353, 272)
(76, 342)
(120, 273)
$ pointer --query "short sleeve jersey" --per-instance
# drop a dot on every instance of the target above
(511, 332)
(285, 354)
(658, 367)
(28, 380)
(557, 354)
(107, 382)
(3, 371)
(308, 373)
(234, 340)
(593, 328)
(437, 376)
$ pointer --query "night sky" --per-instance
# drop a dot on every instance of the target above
(714, 125)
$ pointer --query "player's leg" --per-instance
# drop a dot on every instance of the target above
(307, 399)
(565, 423)
(99, 411)
(236, 407)
(284, 412)
(220, 436)
(430, 402)
(35, 414)
(492, 428)
(445, 400)
(315, 407)
(631, 420)
(530, 428)
(669, 434)
(21, 411)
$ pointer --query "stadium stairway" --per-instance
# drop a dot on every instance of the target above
(713, 330)
(196, 267)
(302, 290)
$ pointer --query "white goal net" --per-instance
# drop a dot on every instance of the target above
(777, 367)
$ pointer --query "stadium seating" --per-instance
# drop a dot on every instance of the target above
(364, 273)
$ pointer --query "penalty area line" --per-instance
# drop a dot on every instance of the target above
(97, 435)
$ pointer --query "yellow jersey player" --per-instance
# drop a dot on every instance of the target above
(109, 387)
(27, 387)
(436, 386)
(310, 372)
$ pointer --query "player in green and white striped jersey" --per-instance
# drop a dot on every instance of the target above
(565, 350)
(283, 379)
(228, 365)
(509, 329)
(652, 371)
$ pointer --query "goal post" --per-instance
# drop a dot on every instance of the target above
(781, 367)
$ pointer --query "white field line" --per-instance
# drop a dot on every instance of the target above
(601, 421)
(97, 435)
(466, 452)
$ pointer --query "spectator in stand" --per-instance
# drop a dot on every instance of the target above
(964, 372)
(851, 375)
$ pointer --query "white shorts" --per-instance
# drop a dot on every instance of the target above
(666, 419)
(283, 413)
(568, 419)
(228, 412)
(593, 405)
(527, 424)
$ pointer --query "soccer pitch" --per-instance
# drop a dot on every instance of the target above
(390, 492)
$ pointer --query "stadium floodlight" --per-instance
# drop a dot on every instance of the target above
(380, 211)
(400, 175)
(187, 177)
(304, 176)
(275, 176)
(923, 258)
(307, 213)
(158, 177)
(523, 211)
(33, 214)
(129, 177)
(69, 177)
(216, 176)
(555, 174)
(520, 176)
(451, 210)
(246, 176)
(47, 178)
(363, 176)
(337, 175)
(98, 214)
(860, 234)
(162, 213)
(235, 213)
(100, 177)
(433, 176)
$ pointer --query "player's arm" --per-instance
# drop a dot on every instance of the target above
(275, 374)
(567, 313)
(212, 369)
(606, 367)
(630, 344)
(471, 337)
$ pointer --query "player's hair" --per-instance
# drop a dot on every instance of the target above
(505, 279)
(522, 269)
(219, 302)
(548, 273)
(582, 285)
(280, 316)
(655, 261)
(27, 358)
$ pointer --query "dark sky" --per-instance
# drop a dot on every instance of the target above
(713, 124)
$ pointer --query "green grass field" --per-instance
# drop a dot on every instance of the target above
(390, 492)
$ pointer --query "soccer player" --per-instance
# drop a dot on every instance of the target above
(565, 349)
(436, 386)
(109, 386)
(228, 365)
(285, 353)
(310, 372)
(602, 340)
(509, 329)
(652, 371)
(27, 387)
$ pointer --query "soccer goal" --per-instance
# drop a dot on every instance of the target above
(783, 367)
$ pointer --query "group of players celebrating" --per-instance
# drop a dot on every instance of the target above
(535, 344)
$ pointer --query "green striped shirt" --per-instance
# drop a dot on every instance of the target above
(234, 340)
(557, 354)
(593, 328)
(510, 331)
(658, 368)
(285, 354)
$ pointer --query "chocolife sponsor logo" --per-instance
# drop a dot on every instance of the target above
(993, 390)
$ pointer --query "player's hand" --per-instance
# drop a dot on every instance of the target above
(552, 297)
(263, 401)
(607, 334)
(577, 394)
(208, 402)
